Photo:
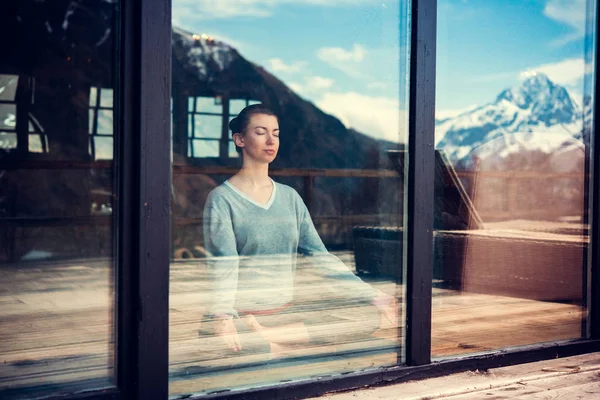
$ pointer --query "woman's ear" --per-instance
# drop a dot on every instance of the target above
(238, 139)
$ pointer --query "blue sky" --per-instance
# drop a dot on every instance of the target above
(349, 56)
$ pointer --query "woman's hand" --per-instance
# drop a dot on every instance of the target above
(225, 328)
(388, 309)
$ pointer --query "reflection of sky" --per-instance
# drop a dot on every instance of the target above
(8, 87)
(205, 148)
(207, 126)
(104, 148)
(8, 119)
(8, 140)
(345, 56)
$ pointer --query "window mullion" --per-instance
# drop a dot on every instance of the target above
(421, 182)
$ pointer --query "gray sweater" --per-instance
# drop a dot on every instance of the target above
(254, 251)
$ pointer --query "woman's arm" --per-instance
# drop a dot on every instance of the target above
(343, 281)
(223, 265)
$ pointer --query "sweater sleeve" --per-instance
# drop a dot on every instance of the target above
(342, 280)
(223, 264)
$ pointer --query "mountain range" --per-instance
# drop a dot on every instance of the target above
(523, 128)
(520, 129)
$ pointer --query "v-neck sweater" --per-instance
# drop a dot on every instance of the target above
(253, 252)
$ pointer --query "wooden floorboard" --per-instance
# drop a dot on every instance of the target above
(576, 377)
(56, 327)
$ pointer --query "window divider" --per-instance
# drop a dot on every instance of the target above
(593, 291)
(421, 172)
(144, 186)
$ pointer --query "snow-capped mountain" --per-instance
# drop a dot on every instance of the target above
(202, 53)
(538, 116)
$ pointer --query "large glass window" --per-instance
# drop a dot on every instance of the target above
(56, 201)
(299, 277)
(512, 145)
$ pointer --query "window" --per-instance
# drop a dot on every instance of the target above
(512, 153)
(207, 136)
(57, 226)
(101, 123)
(11, 104)
(310, 280)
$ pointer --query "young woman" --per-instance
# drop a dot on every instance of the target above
(254, 228)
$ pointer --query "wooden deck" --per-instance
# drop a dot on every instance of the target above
(576, 377)
(56, 331)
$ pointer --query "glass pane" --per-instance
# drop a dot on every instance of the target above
(91, 120)
(104, 148)
(8, 117)
(236, 105)
(511, 230)
(106, 97)
(209, 105)
(105, 121)
(232, 150)
(93, 96)
(8, 141)
(35, 144)
(57, 232)
(8, 86)
(301, 278)
(207, 126)
(206, 148)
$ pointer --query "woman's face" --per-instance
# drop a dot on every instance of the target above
(261, 140)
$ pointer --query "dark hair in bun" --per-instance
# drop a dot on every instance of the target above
(240, 123)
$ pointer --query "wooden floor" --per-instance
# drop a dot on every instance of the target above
(576, 377)
(56, 331)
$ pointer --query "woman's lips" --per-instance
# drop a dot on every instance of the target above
(269, 151)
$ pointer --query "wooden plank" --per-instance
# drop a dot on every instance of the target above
(569, 378)
(66, 334)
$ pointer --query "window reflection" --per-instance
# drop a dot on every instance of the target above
(208, 138)
(338, 128)
(56, 201)
(511, 227)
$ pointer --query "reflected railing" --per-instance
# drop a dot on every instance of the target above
(508, 206)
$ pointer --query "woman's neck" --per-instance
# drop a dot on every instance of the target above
(254, 174)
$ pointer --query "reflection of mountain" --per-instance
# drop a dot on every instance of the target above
(524, 123)
(522, 155)
(310, 138)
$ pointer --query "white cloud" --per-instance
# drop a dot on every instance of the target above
(312, 86)
(567, 72)
(568, 12)
(296, 87)
(319, 82)
(336, 54)
(342, 59)
(278, 65)
(224, 9)
(379, 117)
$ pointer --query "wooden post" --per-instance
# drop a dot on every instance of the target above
(308, 192)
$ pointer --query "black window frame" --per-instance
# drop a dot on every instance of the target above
(142, 125)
